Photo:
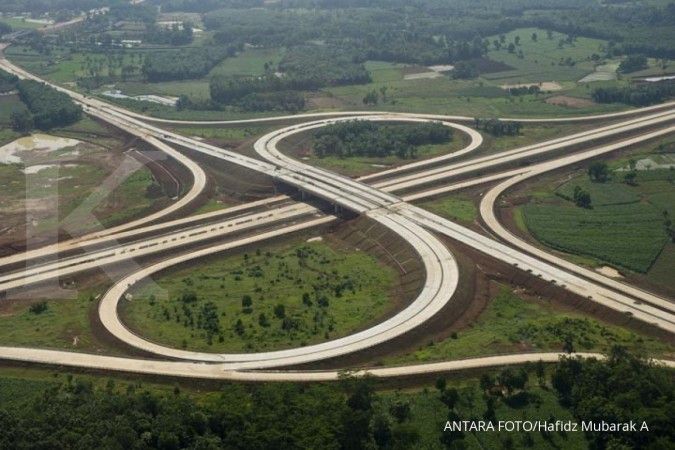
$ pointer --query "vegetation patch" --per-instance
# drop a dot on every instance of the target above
(371, 139)
(77, 411)
(454, 208)
(624, 221)
(59, 323)
(266, 300)
(512, 324)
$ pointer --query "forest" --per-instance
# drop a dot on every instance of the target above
(184, 64)
(350, 414)
(48, 107)
(366, 138)
(643, 94)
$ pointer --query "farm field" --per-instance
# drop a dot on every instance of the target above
(510, 323)
(624, 227)
(272, 298)
(626, 224)
(630, 236)
(442, 95)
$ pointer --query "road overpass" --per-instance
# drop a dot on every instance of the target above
(380, 205)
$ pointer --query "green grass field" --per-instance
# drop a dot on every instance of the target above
(511, 324)
(224, 134)
(65, 324)
(325, 292)
(454, 207)
(624, 227)
(359, 166)
(541, 59)
(19, 23)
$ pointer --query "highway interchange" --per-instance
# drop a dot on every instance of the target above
(383, 197)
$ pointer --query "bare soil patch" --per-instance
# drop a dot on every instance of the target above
(569, 102)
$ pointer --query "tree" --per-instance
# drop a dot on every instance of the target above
(441, 384)
(246, 301)
(581, 197)
(371, 98)
(598, 172)
(511, 47)
(620, 387)
(629, 177)
(383, 93)
(21, 120)
(453, 439)
(382, 431)
(400, 411)
(534, 37)
(263, 321)
(449, 397)
(486, 382)
(633, 63)
(464, 70)
(280, 311)
(513, 379)
(516, 40)
(38, 308)
(239, 327)
(540, 370)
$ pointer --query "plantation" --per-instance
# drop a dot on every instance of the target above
(264, 300)
(625, 224)
(629, 235)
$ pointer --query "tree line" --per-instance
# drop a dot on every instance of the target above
(638, 94)
(184, 64)
(498, 127)
(176, 34)
(45, 108)
(366, 138)
(350, 414)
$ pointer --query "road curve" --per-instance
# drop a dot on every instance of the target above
(441, 117)
(183, 369)
(487, 211)
(439, 287)
(266, 147)
(385, 208)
